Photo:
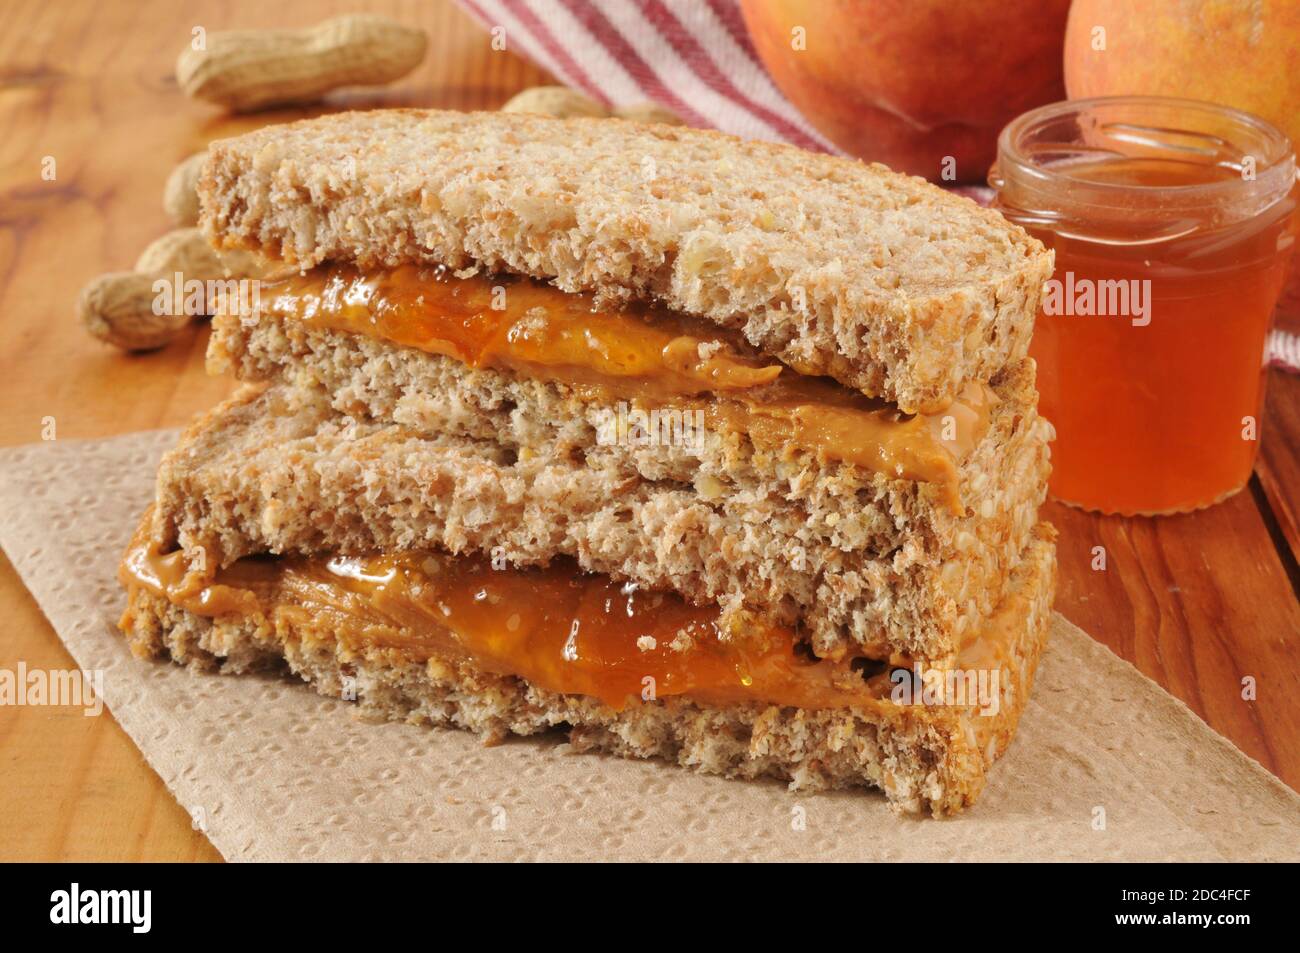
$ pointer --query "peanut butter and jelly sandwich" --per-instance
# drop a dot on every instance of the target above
(695, 448)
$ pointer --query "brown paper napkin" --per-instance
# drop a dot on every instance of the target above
(276, 772)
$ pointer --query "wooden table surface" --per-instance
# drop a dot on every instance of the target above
(1196, 602)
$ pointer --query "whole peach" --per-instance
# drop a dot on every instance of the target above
(912, 83)
(1242, 53)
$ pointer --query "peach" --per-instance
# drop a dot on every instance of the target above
(1242, 53)
(911, 83)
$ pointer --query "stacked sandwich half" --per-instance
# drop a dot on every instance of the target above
(714, 451)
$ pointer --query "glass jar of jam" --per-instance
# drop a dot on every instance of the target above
(1172, 223)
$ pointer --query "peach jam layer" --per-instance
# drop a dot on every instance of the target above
(559, 628)
(640, 353)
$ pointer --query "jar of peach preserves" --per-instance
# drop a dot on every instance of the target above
(1173, 225)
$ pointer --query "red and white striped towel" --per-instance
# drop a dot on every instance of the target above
(690, 56)
(1283, 350)
(693, 57)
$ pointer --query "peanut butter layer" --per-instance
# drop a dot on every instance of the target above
(558, 628)
(643, 354)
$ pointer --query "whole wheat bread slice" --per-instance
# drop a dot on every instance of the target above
(855, 560)
(931, 758)
(836, 267)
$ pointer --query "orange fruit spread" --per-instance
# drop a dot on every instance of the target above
(1188, 374)
(561, 629)
(640, 353)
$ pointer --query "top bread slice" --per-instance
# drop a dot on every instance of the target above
(835, 267)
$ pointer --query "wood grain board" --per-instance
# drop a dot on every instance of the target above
(1196, 602)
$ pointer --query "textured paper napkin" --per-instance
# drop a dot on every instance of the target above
(280, 773)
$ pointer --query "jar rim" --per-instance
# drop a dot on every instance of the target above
(1274, 174)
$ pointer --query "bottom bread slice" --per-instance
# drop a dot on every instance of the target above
(926, 755)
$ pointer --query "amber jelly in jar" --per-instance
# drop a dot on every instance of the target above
(1172, 224)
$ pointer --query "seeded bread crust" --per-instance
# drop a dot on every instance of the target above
(933, 759)
(833, 266)
(512, 468)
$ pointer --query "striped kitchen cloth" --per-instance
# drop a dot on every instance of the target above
(1283, 350)
(693, 57)
(690, 56)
